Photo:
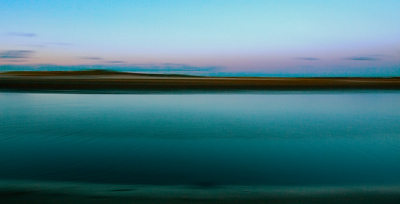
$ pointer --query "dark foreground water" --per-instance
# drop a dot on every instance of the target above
(206, 139)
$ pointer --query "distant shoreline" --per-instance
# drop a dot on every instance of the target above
(110, 80)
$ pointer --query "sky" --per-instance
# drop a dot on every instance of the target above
(211, 37)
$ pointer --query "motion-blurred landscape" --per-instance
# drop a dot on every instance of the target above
(199, 101)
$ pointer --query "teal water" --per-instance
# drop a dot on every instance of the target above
(205, 139)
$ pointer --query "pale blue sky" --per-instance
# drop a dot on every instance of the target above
(241, 36)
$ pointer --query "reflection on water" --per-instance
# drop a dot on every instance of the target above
(208, 139)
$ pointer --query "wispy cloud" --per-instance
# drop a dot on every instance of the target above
(16, 54)
(307, 58)
(21, 34)
(362, 58)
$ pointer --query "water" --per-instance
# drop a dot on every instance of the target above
(204, 139)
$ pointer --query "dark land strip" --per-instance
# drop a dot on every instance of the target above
(107, 80)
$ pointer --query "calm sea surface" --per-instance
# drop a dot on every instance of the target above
(206, 139)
